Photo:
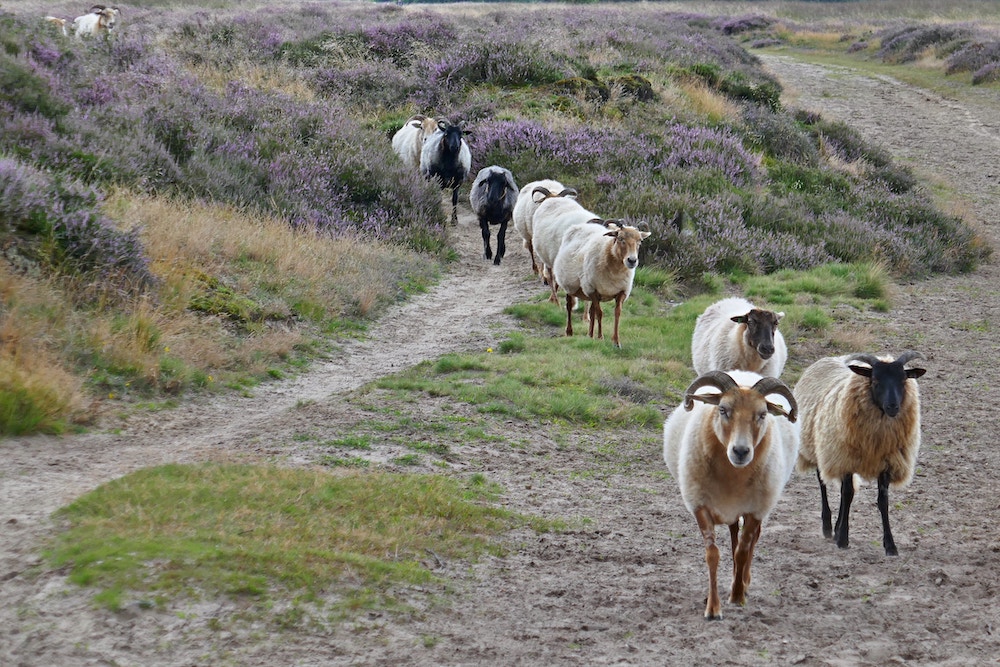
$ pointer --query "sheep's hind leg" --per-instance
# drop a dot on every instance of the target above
(846, 497)
(883, 508)
(570, 305)
(713, 605)
(826, 516)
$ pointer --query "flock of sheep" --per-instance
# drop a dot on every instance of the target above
(591, 258)
(99, 21)
(739, 432)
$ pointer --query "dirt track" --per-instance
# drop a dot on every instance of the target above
(628, 588)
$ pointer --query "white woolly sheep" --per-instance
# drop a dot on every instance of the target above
(733, 333)
(492, 198)
(524, 212)
(731, 462)
(447, 158)
(597, 265)
(61, 24)
(408, 141)
(100, 20)
(863, 420)
(553, 217)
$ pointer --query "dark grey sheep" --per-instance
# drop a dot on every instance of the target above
(493, 196)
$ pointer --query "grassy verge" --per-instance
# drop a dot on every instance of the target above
(253, 531)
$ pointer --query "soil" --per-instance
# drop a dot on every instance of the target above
(626, 585)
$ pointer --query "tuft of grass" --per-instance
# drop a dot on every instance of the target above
(249, 531)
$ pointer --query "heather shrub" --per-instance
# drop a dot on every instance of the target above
(901, 45)
(974, 56)
(502, 63)
(57, 221)
(989, 73)
(778, 135)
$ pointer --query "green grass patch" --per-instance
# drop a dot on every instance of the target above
(242, 530)
(544, 374)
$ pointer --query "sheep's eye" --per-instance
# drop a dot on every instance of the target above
(723, 411)
(761, 416)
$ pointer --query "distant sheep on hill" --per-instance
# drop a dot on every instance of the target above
(100, 20)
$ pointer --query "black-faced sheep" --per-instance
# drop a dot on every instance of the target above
(408, 141)
(735, 334)
(555, 214)
(595, 265)
(446, 157)
(524, 212)
(860, 415)
(732, 455)
(492, 198)
(100, 20)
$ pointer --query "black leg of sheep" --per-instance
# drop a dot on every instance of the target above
(883, 508)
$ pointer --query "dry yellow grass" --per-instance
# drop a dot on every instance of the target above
(705, 101)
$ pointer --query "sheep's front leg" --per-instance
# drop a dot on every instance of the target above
(619, 300)
(846, 497)
(826, 516)
(713, 606)
(501, 243)
(484, 227)
(743, 558)
(883, 508)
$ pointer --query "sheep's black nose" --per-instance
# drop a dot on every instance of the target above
(631, 262)
(891, 409)
(766, 351)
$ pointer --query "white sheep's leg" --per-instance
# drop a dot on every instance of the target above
(619, 300)
(743, 558)
(846, 497)
(826, 516)
(531, 253)
(597, 313)
(713, 606)
(883, 508)
(570, 305)
(554, 286)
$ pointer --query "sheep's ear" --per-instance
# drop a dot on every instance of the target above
(739, 319)
(914, 373)
(863, 371)
(779, 315)
(779, 411)
(442, 125)
(644, 234)
(510, 180)
(711, 399)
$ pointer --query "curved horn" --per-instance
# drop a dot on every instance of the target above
(908, 356)
(568, 192)
(870, 359)
(766, 386)
(717, 379)
(542, 190)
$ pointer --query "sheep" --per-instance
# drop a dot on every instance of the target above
(863, 420)
(492, 198)
(446, 157)
(595, 265)
(61, 24)
(554, 215)
(731, 462)
(100, 20)
(733, 333)
(408, 141)
(524, 212)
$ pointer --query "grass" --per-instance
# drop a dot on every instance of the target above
(543, 374)
(257, 531)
